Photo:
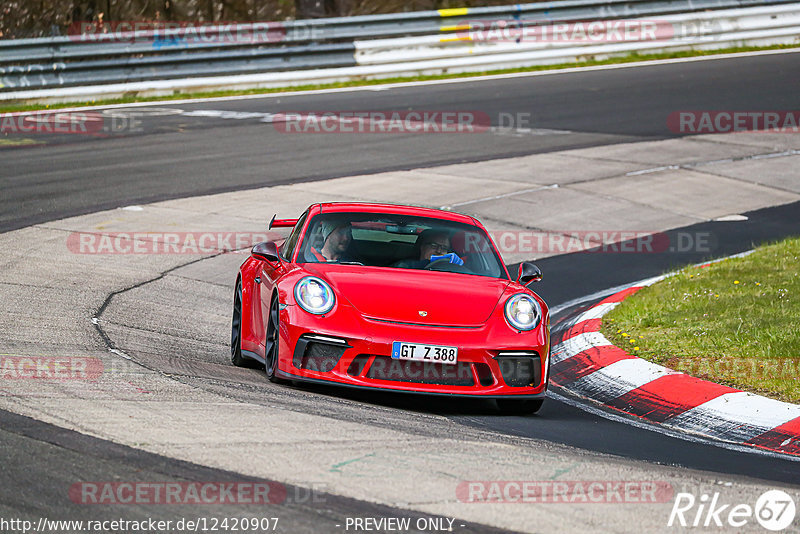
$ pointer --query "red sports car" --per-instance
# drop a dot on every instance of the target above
(396, 298)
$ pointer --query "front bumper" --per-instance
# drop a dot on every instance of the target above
(345, 348)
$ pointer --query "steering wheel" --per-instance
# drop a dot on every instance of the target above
(440, 261)
(443, 264)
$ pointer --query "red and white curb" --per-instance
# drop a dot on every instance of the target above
(586, 364)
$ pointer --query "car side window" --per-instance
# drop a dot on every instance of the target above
(288, 246)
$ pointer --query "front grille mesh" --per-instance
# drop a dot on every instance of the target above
(395, 370)
(523, 371)
(517, 371)
(321, 357)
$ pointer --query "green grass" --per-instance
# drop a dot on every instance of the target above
(27, 106)
(736, 322)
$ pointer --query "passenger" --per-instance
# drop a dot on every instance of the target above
(431, 245)
(336, 239)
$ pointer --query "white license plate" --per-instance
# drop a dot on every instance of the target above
(424, 353)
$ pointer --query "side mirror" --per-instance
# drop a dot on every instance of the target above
(266, 250)
(528, 273)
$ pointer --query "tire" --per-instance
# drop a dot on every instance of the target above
(519, 406)
(237, 358)
(272, 342)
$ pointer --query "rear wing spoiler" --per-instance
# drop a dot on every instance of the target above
(281, 223)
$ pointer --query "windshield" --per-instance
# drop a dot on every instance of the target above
(400, 242)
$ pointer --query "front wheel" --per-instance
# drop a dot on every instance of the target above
(519, 406)
(272, 344)
(237, 358)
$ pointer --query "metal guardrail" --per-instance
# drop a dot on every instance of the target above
(767, 25)
(203, 62)
(322, 45)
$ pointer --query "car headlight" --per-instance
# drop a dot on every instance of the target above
(523, 312)
(314, 295)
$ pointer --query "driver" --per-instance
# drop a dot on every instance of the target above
(431, 245)
(336, 238)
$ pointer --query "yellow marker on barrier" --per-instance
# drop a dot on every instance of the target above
(455, 28)
(451, 39)
(19, 142)
(453, 12)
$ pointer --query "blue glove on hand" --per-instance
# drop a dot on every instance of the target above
(452, 256)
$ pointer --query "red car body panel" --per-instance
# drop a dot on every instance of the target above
(376, 306)
(381, 293)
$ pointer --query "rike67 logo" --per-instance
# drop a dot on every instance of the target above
(774, 510)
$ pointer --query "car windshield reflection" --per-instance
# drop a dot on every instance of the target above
(400, 242)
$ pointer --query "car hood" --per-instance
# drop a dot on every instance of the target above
(412, 296)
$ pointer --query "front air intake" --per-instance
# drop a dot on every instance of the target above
(520, 368)
(318, 353)
(386, 368)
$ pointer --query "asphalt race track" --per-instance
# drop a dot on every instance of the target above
(173, 156)
(191, 149)
(41, 460)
